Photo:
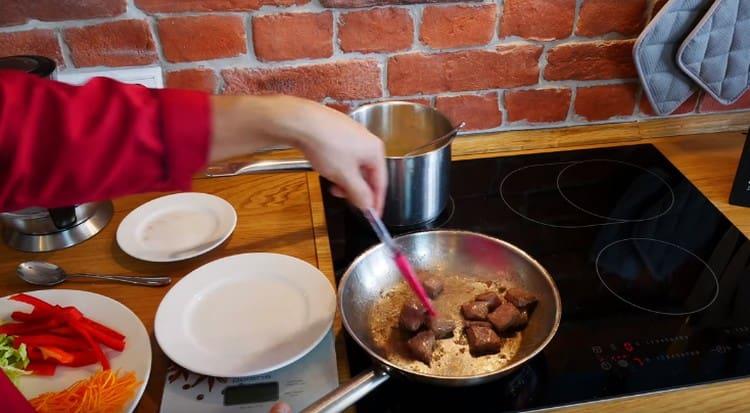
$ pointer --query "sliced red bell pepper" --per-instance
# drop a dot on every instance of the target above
(35, 315)
(81, 329)
(54, 353)
(39, 368)
(63, 331)
(42, 340)
(70, 313)
(82, 358)
(34, 354)
(104, 329)
(105, 339)
(14, 329)
(36, 302)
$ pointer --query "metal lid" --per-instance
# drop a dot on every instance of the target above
(35, 65)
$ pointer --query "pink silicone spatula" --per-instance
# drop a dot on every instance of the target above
(401, 261)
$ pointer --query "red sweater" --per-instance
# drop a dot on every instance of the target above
(63, 145)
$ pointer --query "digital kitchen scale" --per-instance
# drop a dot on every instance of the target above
(654, 280)
(298, 384)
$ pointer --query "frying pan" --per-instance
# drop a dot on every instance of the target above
(466, 256)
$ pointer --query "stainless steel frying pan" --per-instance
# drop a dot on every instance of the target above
(472, 258)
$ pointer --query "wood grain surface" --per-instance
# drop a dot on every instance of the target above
(283, 213)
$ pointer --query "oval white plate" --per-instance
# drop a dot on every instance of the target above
(136, 357)
(245, 314)
(176, 227)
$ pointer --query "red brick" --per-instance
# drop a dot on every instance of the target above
(479, 112)
(120, 43)
(341, 107)
(194, 79)
(292, 36)
(347, 80)
(376, 30)
(591, 61)
(709, 104)
(599, 17)
(33, 42)
(604, 102)
(507, 66)
(457, 26)
(346, 4)
(176, 6)
(20, 11)
(538, 19)
(537, 105)
(186, 39)
(11, 13)
(687, 107)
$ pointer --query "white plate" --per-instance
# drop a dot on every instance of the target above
(136, 357)
(176, 227)
(245, 314)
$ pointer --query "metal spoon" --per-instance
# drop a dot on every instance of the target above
(437, 142)
(45, 273)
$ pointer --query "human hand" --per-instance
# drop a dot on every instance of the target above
(280, 407)
(340, 149)
(347, 154)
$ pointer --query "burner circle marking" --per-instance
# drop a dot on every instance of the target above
(675, 313)
(617, 220)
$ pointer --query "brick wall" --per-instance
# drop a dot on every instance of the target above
(503, 64)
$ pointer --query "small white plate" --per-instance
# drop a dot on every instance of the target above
(245, 314)
(176, 227)
(136, 357)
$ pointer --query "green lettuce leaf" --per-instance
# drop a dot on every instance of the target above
(13, 361)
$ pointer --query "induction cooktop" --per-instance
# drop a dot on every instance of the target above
(654, 279)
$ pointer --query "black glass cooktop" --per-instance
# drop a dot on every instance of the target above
(654, 279)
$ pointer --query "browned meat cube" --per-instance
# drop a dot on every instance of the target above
(483, 340)
(475, 310)
(442, 327)
(493, 299)
(469, 324)
(433, 286)
(520, 298)
(523, 320)
(505, 317)
(421, 346)
(413, 316)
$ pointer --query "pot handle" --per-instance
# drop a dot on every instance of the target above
(64, 217)
(348, 394)
(256, 167)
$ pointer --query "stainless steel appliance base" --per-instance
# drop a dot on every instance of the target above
(62, 239)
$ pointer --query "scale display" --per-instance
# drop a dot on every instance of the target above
(298, 384)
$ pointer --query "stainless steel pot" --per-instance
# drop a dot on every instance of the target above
(417, 183)
(41, 229)
(443, 253)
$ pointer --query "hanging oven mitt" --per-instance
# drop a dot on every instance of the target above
(716, 54)
(665, 85)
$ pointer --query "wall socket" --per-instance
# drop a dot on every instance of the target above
(147, 76)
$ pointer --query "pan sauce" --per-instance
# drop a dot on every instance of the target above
(451, 356)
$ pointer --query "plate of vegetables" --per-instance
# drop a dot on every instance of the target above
(71, 350)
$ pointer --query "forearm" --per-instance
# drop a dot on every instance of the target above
(246, 124)
(63, 144)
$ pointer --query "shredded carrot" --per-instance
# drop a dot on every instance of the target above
(104, 392)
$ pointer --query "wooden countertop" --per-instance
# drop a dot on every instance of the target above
(283, 213)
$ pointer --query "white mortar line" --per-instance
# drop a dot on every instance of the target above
(64, 50)
(499, 10)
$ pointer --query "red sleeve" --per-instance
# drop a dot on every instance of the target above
(63, 145)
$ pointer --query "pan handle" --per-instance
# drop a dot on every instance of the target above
(348, 394)
(232, 169)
